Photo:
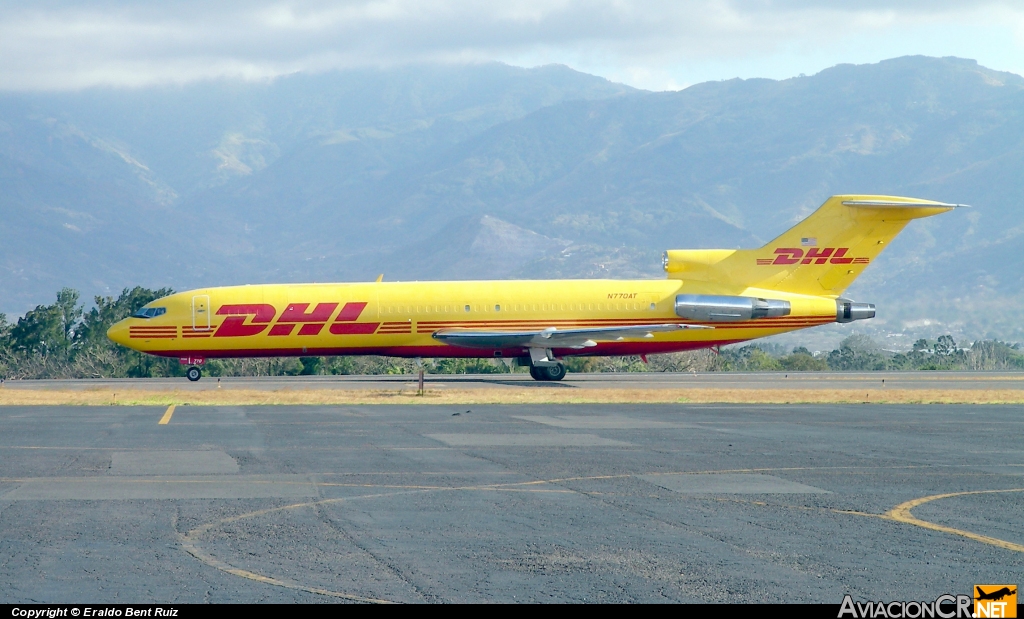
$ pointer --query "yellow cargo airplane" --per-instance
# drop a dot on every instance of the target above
(711, 297)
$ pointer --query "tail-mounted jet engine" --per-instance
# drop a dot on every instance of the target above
(715, 308)
(848, 311)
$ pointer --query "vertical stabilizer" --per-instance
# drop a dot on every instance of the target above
(821, 255)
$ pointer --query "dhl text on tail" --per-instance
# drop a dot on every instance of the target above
(711, 297)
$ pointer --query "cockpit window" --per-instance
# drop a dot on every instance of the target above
(149, 312)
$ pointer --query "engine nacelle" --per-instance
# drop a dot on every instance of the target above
(848, 311)
(715, 308)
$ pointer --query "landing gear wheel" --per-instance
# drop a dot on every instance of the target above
(555, 372)
(193, 374)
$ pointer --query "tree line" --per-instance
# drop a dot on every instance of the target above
(861, 353)
(64, 340)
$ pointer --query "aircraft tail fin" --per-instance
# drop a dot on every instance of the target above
(821, 255)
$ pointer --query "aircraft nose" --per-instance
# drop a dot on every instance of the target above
(118, 333)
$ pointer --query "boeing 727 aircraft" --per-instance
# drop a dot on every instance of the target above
(710, 297)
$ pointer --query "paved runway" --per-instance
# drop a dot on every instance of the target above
(726, 503)
(637, 380)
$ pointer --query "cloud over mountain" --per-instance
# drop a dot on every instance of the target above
(59, 45)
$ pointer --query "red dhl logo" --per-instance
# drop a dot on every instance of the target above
(255, 318)
(814, 255)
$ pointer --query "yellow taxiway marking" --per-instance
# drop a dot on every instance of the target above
(213, 562)
(191, 540)
(901, 513)
(190, 543)
(167, 415)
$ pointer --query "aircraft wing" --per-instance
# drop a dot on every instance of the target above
(552, 337)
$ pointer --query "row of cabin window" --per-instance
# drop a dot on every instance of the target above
(515, 307)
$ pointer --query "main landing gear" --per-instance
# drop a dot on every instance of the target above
(553, 372)
(193, 373)
(543, 365)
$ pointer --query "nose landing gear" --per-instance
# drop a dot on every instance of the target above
(194, 372)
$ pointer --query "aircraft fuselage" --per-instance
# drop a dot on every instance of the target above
(400, 318)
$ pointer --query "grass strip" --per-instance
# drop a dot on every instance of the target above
(242, 397)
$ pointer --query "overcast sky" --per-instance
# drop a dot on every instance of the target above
(654, 44)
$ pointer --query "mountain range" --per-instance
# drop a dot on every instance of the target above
(492, 171)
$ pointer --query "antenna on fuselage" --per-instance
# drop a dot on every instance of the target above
(380, 278)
